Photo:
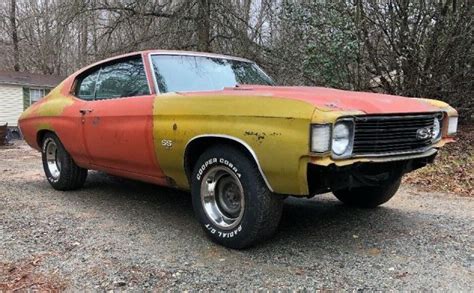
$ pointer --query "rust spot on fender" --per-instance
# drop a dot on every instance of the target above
(260, 136)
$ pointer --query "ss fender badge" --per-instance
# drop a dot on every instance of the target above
(167, 143)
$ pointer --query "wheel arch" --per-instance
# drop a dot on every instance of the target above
(40, 136)
(198, 144)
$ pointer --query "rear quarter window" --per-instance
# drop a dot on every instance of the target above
(85, 86)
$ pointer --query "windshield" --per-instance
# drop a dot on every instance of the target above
(175, 73)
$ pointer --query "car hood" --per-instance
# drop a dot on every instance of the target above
(328, 99)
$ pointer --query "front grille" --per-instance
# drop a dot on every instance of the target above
(386, 135)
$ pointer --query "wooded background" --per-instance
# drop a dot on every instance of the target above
(413, 48)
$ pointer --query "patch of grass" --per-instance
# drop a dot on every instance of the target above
(453, 170)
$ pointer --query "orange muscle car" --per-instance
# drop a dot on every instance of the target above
(218, 126)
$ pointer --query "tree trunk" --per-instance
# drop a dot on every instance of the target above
(14, 33)
(203, 25)
(84, 39)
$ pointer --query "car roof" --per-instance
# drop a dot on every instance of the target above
(163, 52)
(193, 53)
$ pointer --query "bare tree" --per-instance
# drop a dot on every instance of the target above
(413, 48)
(203, 25)
(14, 34)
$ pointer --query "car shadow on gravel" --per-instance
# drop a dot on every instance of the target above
(324, 223)
(146, 204)
(306, 223)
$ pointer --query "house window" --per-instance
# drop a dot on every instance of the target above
(36, 95)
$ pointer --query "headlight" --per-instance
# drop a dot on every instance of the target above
(342, 136)
(320, 138)
(452, 125)
(436, 129)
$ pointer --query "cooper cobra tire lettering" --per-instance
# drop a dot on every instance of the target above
(212, 161)
(204, 167)
(261, 208)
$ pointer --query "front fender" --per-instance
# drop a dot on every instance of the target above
(279, 138)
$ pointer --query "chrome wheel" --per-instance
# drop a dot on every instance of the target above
(52, 160)
(222, 197)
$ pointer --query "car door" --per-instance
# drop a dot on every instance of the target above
(117, 123)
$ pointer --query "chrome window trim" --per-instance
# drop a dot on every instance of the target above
(243, 143)
(263, 72)
(150, 92)
(200, 54)
(96, 81)
(152, 68)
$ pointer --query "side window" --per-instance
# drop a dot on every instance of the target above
(123, 79)
(36, 95)
(85, 88)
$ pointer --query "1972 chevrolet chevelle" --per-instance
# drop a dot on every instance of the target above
(219, 127)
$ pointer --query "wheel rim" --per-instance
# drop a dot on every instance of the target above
(222, 197)
(52, 159)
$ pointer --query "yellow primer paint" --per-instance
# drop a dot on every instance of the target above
(51, 105)
(284, 127)
(44, 126)
(54, 107)
(322, 116)
(443, 106)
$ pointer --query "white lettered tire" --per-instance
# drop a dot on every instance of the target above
(231, 199)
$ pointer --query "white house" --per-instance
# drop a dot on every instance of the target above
(18, 90)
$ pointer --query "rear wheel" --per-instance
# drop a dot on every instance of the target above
(231, 200)
(59, 167)
(369, 196)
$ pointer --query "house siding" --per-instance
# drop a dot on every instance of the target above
(11, 104)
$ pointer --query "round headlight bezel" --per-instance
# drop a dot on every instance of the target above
(343, 133)
(437, 128)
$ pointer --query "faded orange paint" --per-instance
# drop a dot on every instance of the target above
(120, 134)
(328, 99)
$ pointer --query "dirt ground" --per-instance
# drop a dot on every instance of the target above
(125, 235)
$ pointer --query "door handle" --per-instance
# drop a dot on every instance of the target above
(85, 111)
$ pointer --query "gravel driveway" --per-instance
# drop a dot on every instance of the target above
(120, 234)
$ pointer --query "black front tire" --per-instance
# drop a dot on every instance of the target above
(368, 196)
(261, 211)
(67, 175)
